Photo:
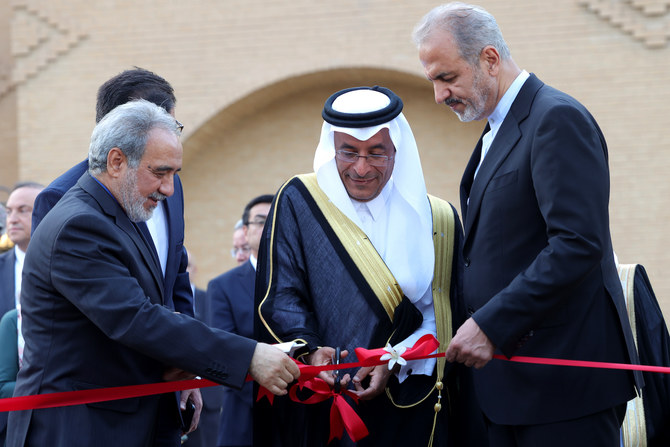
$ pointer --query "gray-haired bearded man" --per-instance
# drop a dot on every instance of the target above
(93, 300)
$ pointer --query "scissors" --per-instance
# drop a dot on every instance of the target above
(336, 373)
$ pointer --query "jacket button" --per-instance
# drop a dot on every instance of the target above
(467, 262)
(471, 310)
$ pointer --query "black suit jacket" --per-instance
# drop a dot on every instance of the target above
(7, 303)
(231, 297)
(7, 281)
(540, 278)
(95, 315)
(208, 427)
(176, 282)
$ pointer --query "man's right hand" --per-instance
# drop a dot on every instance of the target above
(470, 346)
(324, 356)
(272, 369)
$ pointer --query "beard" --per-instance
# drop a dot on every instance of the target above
(475, 108)
(133, 202)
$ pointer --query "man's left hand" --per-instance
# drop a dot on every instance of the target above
(195, 397)
(379, 376)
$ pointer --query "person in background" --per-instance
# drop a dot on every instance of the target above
(539, 277)
(208, 426)
(18, 216)
(647, 415)
(9, 362)
(18, 223)
(240, 251)
(5, 243)
(231, 296)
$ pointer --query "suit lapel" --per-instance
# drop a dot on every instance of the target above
(506, 139)
(111, 207)
(468, 175)
(145, 250)
(170, 237)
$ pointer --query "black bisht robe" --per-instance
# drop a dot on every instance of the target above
(309, 289)
(653, 344)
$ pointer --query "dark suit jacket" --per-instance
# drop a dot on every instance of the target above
(7, 290)
(540, 278)
(94, 316)
(9, 363)
(653, 342)
(208, 427)
(177, 285)
(231, 297)
(7, 303)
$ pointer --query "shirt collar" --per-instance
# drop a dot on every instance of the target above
(103, 187)
(20, 254)
(377, 205)
(498, 116)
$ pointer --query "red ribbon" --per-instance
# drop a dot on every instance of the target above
(421, 350)
(263, 392)
(67, 398)
(369, 357)
(583, 363)
(342, 415)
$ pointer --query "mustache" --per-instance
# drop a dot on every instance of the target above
(452, 101)
(352, 175)
(157, 196)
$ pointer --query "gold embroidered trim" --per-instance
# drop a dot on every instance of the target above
(634, 426)
(354, 240)
(359, 247)
(271, 262)
(443, 241)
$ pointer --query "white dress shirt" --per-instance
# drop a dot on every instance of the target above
(20, 255)
(374, 216)
(158, 228)
(498, 116)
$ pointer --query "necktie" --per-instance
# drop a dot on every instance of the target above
(486, 144)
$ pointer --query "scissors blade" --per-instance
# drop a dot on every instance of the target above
(336, 373)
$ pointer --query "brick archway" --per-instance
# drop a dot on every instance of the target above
(252, 146)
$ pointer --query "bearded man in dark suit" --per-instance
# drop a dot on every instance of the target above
(165, 227)
(539, 277)
(95, 309)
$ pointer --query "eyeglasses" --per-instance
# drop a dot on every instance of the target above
(260, 222)
(180, 126)
(352, 157)
(234, 251)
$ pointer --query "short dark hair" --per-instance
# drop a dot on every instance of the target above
(136, 83)
(28, 184)
(265, 198)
